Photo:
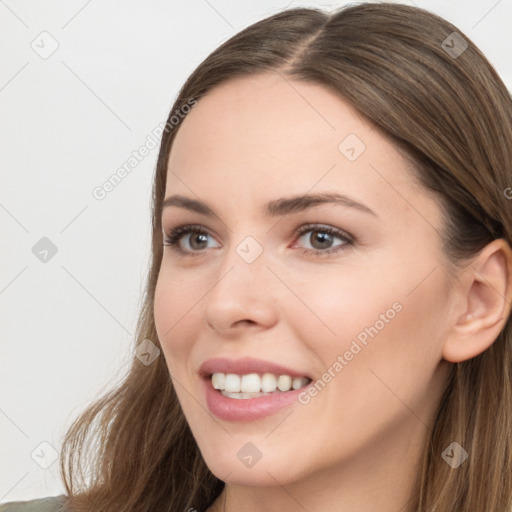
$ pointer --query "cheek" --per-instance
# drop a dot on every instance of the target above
(397, 369)
(381, 332)
(336, 308)
(176, 307)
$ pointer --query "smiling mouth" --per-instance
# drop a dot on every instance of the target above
(253, 385)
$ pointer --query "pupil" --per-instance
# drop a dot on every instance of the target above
(197, 237)
(322, 237)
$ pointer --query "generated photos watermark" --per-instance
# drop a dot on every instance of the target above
(100, 192)
(356, 346)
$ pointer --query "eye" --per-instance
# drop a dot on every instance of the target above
(196, 243)
(320, 237)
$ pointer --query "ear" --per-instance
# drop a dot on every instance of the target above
(485, 286)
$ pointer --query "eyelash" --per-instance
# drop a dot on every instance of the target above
(174, 236)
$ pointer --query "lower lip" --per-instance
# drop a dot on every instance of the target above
(237, 409)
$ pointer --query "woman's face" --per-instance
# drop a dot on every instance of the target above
(361, 312)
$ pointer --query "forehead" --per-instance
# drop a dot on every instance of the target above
(270, 136)
(268, 114)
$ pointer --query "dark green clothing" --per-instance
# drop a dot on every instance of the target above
(51, 504)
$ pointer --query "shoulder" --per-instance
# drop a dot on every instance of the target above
(50, 504)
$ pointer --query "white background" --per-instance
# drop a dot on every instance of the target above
(67, 123)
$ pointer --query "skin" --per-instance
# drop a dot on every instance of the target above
(355, 446)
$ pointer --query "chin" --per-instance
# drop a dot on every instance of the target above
(255, 463)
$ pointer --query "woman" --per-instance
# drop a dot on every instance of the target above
(326, 323)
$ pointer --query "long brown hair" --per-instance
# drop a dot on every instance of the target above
(444, 106)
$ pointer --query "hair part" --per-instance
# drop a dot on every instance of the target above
(452, 118)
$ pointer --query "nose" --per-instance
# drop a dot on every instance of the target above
(244, 294)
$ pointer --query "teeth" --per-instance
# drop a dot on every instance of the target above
(252, 384)
(243, 396)
(284, 382)
(232, 383)
(268, 382)
(297, 383)
(219, 380)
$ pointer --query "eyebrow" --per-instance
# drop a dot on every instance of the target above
(277, 207)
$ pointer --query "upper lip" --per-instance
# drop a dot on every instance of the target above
(244, 366)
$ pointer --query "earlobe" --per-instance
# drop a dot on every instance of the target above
(486, 285)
